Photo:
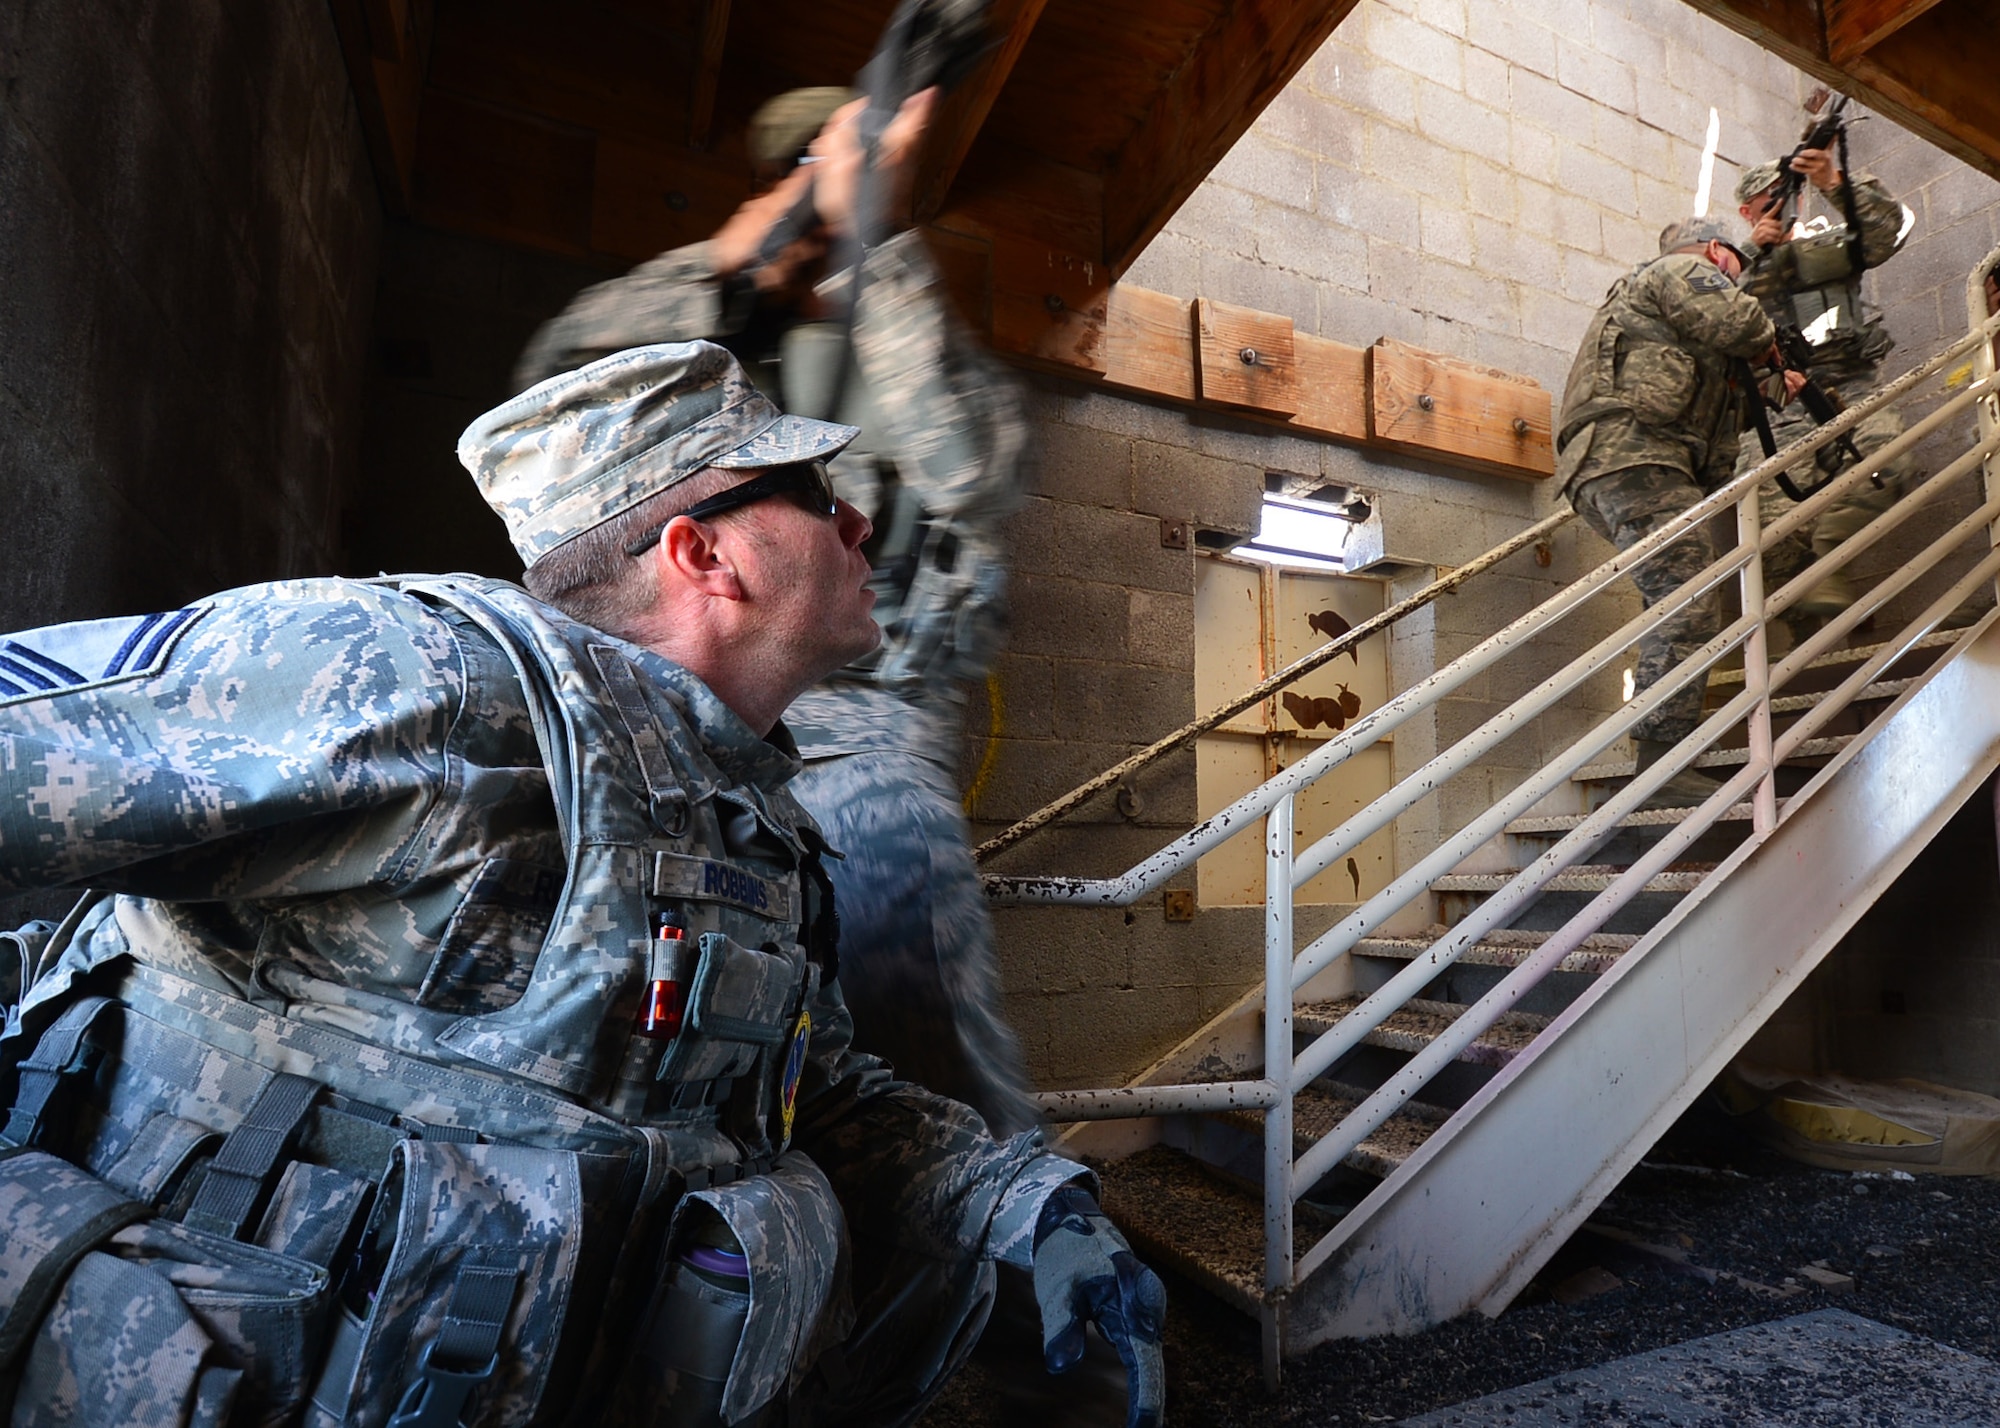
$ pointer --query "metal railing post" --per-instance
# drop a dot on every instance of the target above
(1278, 848)
(1757, 665)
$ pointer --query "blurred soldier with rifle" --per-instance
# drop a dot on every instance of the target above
(831, 301)
(1808, 277)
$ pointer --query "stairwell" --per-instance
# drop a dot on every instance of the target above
(1419, 1115)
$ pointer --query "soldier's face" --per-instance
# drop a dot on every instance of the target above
(808, 573)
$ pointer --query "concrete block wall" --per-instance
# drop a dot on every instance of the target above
(187, 247)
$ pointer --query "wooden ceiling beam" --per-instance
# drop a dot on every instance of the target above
(386, 45)
(707, 73)
(1856, 26)
(1235, 70)
(964, 111)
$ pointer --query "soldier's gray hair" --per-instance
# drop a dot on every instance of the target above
(590, 577)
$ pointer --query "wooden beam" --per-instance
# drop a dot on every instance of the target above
(963, 113)
(1855, 26)
(386, 45)
(1912, 77)
(707, 73)
(1436, 406)
(1236, 69)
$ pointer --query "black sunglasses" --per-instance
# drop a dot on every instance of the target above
(804, 483)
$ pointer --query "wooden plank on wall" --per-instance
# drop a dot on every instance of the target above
(1244, 358)
(1456, 411)
(1149, 344)
(1051, 310)
(386, 45)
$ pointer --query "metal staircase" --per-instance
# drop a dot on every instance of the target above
(1401, 1125)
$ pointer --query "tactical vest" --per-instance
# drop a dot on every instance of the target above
(1819, 292)
(1631, 362)
(416, 1205)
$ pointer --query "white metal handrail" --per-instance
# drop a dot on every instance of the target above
(1288, 1175)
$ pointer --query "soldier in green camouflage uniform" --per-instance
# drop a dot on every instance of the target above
(452, 1026)
(1648, 427)
(1813, 281)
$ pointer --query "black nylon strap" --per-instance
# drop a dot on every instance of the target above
(62, 1054)
(242, 1169)
(39, 1290)
(466, 1351)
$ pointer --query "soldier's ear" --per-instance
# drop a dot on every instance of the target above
(691, 558)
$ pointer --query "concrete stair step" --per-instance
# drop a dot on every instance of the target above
(1207, 1229)
(1713, 759)
(1418, 1022)
(1584, 877)
(1506, 947)
(1799, 703)
(1644, 818)
(1941, 639)
(1317, 1109)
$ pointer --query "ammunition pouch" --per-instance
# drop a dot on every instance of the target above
(1657, 381)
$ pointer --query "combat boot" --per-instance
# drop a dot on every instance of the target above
(1686, 789)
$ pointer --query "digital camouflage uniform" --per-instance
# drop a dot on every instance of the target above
(1648, 427)
(338, 1066)
(937, 467)
(1810, 283)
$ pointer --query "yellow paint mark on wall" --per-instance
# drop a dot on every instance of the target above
(996, 720)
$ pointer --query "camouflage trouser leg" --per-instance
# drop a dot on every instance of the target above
(1847, 515)
(1625, 507)
(917, 964)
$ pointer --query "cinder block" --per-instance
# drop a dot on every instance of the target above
(1085, 467)
(1552, 320)
(1272, 170)
(1468, 296)
(1507, 253)
(1587, 277)
(1624, 38)
(1448, 117)
(1605, 182)
(1414, 162)
(1445, 231)
(1546, 104)
(1578, 223)
(1228, 278)
(1358, 319)
(1303, 243)
(1398, 40)
(1110, 702)
(1375, 207)
(1514, 34)
(1486, 79)
(1117, 548)
(1160, 629)
(1223, 495)
(1445, 15)
(1052, 615)
(1325, 128)
(1489, 189)
(1171, 263)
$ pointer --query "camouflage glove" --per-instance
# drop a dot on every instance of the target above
(1085, 1270)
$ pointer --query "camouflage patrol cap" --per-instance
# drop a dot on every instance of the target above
(783, 126)
(1755, 180)
(1697, 233)
(571, 453)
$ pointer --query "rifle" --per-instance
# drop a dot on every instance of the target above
(1821, 404)
(1827, 126)
(926, 42)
